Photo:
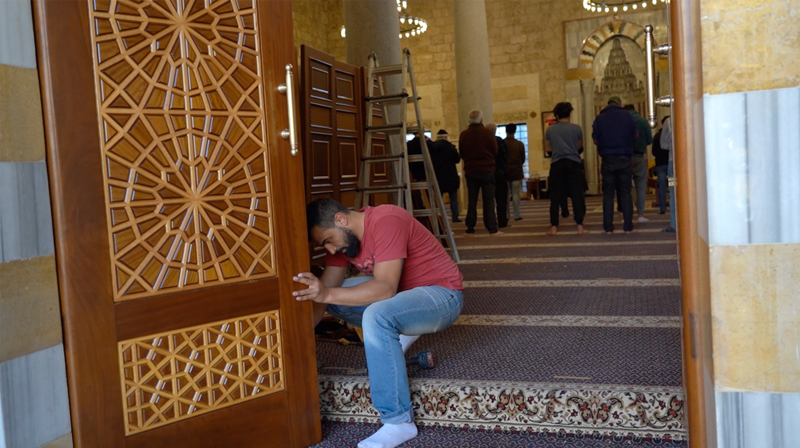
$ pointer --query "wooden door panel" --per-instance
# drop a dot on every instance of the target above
(332, 127)
(175, 205)
(235, 426)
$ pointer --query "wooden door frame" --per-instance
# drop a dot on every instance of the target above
(66, 74)
(689, 157)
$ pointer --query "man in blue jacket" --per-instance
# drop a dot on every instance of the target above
(614, 132)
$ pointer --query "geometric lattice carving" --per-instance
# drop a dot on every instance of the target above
(176, 375)
(182, 133)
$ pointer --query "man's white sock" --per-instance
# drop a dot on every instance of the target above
(389, 436)
(406, 341)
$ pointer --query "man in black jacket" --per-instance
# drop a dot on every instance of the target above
(662, 165)
(445, 158)
(500, 179)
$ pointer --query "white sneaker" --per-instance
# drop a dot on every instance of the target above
(643, 219)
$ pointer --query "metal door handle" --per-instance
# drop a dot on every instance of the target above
(652, 102)
(288, 90)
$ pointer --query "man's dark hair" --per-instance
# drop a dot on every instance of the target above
(629, 107)
(664, 119)
(562, 110)
(321, 213)
(511, 129)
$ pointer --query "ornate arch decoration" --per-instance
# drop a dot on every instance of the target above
(608, 31)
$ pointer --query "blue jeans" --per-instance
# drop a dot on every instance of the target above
(661, 173)
(673, 203)
(422, 310)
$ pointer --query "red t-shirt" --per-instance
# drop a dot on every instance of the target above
(391, 233)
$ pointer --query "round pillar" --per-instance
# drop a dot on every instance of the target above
(473, 72)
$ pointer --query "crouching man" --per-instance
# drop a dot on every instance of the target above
(411, 288)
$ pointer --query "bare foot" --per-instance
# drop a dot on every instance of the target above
(553, 230)
(498, 233)
(581, 230)
(468, 235)
(631, 231)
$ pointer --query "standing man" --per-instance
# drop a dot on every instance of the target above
(614, 132)
(500, 178)
(666, 143)
(445, 158)
(411, 288)
(639, 160)
(478, 149)
(514, 174)
(662, 162)
(564, 141)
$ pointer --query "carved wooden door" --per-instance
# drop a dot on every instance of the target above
(179, 212)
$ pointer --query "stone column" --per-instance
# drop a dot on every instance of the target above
(473, 73)
(372, 25)
(590, 157)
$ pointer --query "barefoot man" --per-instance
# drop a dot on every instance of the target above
(410, 287)
(564, 140)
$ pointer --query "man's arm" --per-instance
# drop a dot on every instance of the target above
(547, 147)
(580, 146)
(383, 286)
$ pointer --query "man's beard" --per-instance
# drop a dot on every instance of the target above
(353, 245)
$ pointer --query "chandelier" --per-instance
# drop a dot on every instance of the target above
(409, 25)
(601, 6)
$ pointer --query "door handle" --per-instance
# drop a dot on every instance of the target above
(652, 102)
(288, 90)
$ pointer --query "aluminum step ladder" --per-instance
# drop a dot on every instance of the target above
(429, 202)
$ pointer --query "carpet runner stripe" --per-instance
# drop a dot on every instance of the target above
(548, 407)
(545, 221)
(571, 259)
(562, 232)
(571, 283)
(570, 321)
(566, 244)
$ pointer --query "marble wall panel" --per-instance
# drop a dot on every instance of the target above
(753, 166)
(750, 45)
(16, 34)
(756, 317)
(26, 227)
(21, 129)
(30, 314)
(33, 390)
(755, 420)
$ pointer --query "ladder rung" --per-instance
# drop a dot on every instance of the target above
(420, 185)
(416, 158)
(382, 188)
(386, 98)
(383, 158)
(388, 70)
(384, 128)
(424, 212)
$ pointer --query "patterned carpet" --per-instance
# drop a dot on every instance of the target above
(564, 341)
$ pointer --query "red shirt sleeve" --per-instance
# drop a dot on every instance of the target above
(338, 260)
(390, 238)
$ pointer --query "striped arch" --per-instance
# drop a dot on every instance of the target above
(607, 31)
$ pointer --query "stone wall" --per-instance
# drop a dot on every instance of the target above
(318, 23)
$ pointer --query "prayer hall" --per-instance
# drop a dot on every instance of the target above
(399, 223)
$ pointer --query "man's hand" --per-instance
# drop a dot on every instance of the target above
(316, 291)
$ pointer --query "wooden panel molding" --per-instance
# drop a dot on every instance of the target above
(183, 144)
(173, 376)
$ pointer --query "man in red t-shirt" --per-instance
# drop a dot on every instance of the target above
(411, 287)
